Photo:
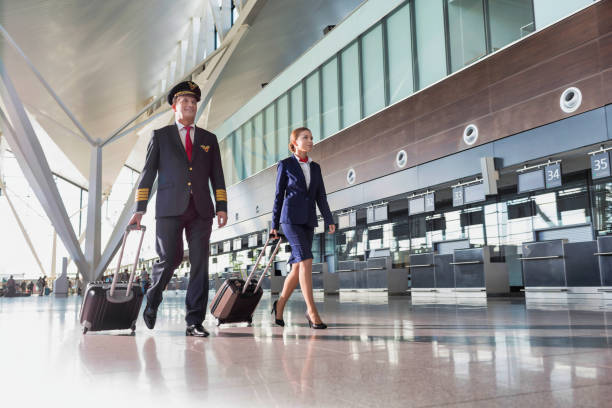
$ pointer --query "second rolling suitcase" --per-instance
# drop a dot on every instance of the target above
(236, 299)
(113, 306)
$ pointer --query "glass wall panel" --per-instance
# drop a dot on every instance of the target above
(238, 154)
(247, 148)
(313, 105)
(373, 71)
(509, 21)
(550, 11)
(330, 115)
(259, 157)
(399, 45)
(283, 127)
(297, 107)
(431, 48)
(351, 104)
(466, 32)
(270, 148)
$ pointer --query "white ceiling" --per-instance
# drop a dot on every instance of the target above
(105, 59)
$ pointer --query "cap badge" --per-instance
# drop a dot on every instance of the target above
(192, 85)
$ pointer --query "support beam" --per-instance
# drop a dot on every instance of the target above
(45, 84)
(195, 41)
(53, 254)
(212, 77)
(94, 211)
(26, 236)
(135, 127)
(30, 156)
(117, 235)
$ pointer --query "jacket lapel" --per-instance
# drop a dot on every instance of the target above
(176, 138)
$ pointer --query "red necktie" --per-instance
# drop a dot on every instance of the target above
(188, 144)
(303, 160)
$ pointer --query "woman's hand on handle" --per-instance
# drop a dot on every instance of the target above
(332, 228)
(275, 233)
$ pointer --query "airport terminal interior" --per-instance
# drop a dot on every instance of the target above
(465, 149)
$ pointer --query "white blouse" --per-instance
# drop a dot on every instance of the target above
(305, 168)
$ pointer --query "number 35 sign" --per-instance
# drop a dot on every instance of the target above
(600, 165)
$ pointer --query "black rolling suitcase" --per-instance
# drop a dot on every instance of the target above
(235, 301)
(113, 306)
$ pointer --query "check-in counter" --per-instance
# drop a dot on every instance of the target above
(558, 269)
(374, 275)
(347, 275)
(317, 276)
(476, 275)
(544, 269)
(422, 275)
(582, 269)
(444, 275)
(604, 260)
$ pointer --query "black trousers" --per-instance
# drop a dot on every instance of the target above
(169, 247)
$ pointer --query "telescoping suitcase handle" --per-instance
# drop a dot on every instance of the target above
(271, 237)
(130, 228)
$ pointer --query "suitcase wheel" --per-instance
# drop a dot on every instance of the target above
(249, 322)
(133, 328)
(85, 330)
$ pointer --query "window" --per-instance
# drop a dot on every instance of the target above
(399, 45)
(431, 49)
(269, 140)
(258, 143)
(466, 32)
(509, 21)
(313, 105)
(330, 116)
(297, 107)
(283, 126)
(351, 104)
(373, 71)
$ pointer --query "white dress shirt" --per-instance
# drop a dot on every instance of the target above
(183, 132)
(305, 168)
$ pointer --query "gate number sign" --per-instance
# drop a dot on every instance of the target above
(552, 172)
(600, 165)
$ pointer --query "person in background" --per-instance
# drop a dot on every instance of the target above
(11, 287)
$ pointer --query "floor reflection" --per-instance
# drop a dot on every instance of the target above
(377, 351)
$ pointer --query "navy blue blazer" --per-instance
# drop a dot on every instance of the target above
(178, 177)
(294, 203)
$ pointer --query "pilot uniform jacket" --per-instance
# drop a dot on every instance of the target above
(294, 202)
(178, 177)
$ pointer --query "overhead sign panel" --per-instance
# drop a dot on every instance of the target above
(531, 180)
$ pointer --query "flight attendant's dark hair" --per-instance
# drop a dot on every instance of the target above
(294, 135)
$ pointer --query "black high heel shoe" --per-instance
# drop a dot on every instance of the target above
(315, 325)
(280, 322)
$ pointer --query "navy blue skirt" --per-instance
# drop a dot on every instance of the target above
(300, 238)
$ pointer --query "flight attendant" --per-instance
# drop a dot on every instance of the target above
(299, 186)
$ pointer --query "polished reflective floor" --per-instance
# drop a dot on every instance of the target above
(377, 352)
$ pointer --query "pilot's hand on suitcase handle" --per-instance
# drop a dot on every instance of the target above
(134, 223)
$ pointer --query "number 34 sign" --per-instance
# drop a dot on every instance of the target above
(600, 165)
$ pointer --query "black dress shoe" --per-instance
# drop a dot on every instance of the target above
(149, 315)
(196, 330)
(280, 322)
(315, 325)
